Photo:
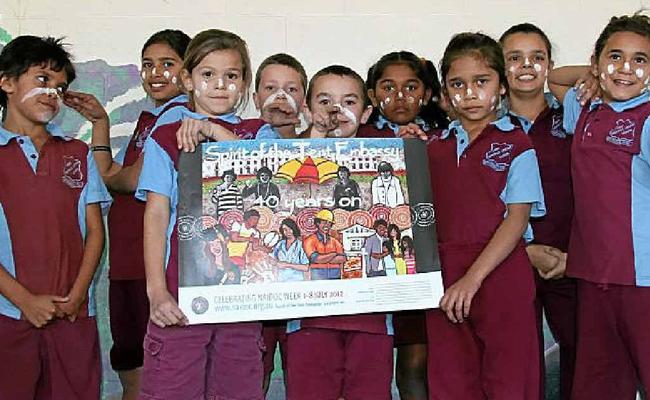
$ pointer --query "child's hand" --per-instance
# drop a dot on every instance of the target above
(41, 309)
(325, 120)
(70, 309)
(280, 114)
(457, 300)
(193, 131)
(412, 131)
(164, 311)
(86, 105)
(557, 272)
(588, 87)
(544, 258)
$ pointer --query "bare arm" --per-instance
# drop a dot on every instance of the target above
(125, 180)
(560, 80)
(457, 299)
(164, 310)
(93, 248)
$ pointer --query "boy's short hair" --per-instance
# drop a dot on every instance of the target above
(339, 70)
(26, 51)
(282, 59)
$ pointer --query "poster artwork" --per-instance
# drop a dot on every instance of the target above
(297, 228)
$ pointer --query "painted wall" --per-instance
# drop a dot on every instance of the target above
(107, 35)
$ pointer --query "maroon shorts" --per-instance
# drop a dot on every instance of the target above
(274, 334)
(410, 327)
(129, 312)
(197, 362)
(59, 361)
(333, 364)
(613, 357)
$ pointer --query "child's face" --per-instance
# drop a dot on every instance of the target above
(216, 83)
(622, 67)
(346, 95)
(280, 90)
(399, 94)
(527, 62)
(473, 88)
(36, 94)
(160, 69)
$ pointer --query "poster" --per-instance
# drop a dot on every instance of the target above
(285, 229)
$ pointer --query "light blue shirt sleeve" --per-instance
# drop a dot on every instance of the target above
(572, 109)
(524, 184)
(96, 191)
(276, 249)
(170, 116)
(302, 256)
(157, 172)
(267, 132)
(119, 157)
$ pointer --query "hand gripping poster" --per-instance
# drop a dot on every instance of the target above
(283, 229)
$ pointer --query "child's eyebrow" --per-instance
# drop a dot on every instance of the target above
(352, 95)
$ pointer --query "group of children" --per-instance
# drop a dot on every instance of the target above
(511, 152)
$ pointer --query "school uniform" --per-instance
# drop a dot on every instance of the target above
(494, 354)
(42, 229)
(609, 250)
(348, 356)
(555, 297)
(178, 360)
(128, 302)
(383, 128)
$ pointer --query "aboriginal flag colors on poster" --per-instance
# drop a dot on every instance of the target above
(297, 228)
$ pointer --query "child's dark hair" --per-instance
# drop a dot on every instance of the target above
(26, 51)
(339, 70)
(287, 61)
(210, 40)
(176, 39)
(425, 71)
(479, 45)
(637, 23)
(527, 27)
(409, 242)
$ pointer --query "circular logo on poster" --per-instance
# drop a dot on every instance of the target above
(200, 305)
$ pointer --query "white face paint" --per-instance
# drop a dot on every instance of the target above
(167, 74)
(280, 93)
(174, 80)
(337, 132)
(512, 69)
(481, 95)
(348, 114)
(197, 93)
(603, 76)
(220, 84)
(610, 68)
(410, 99)
(537, 67)
(639, 73)
(420, 102)
(469, 92)
(526, 61)
(143, 74)
(232, 87)
(457, 99)
(400, 95)
(626, 66)
(153, 71)
(204, 86)
(39, 91)
(493, 102)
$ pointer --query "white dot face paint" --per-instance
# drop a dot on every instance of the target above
(143, 75)
(220, 84)
(153, 71)
(280, 94)
(610, 68)
(603, 76)
(457, 98)
(411, 99)
(38, 91)
(204, 86)
(348, 114)
(512, 69)
(400, 95)
(626, 66)
(174, 80)
(639, 73)
(537, 67)
(337, 132)
(469, 92)
(232, 87)
(481, 95)
(526, 61)
(167, 74)
(420, 102)
(197, 93)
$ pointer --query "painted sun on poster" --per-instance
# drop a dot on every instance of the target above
(299, 228)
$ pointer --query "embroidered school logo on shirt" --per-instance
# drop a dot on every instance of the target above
(623, 133)
(72, 175)
(556, 127)
(498, 156)
(142, 137)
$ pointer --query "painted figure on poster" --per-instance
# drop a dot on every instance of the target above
(265, 192)
(227, 195)
(386, 188)
(375, 251)
(346, 191)
(293, 263)
(325, 253)
(241, 236)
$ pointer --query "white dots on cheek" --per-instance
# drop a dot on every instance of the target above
(512, 69)
(537, 67)
(174, 80)
(481, 95)
(603, 76)
(204, 86)
(610, 68)
(167, 74)
(143, 75)
(639, 73)
(197, 93)
(457, 98)
(232, 87)
(411, 100)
